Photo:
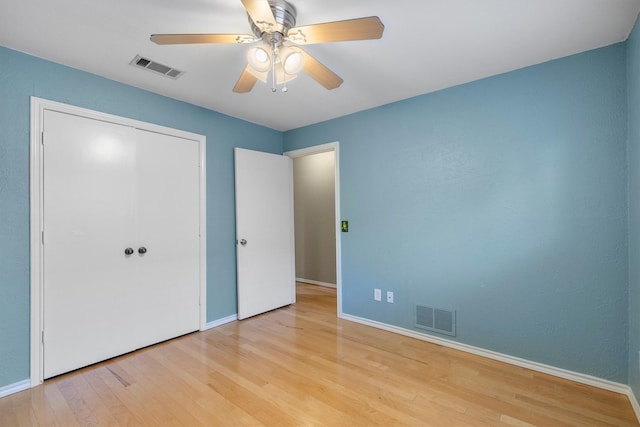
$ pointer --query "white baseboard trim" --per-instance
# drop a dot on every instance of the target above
(634, 403)
(535, 366)
(15, 387)
(315, 282)
(220, 322)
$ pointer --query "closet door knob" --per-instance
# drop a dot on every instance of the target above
(243, 242)
(128, 251)
(142, 250)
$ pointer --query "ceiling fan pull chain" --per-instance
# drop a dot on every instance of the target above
(274, 58)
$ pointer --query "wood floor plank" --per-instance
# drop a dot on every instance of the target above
(120, 412)
(40, 406)
(11, 413)
(301, 365)
(62, 413)
(76, 402)
(193, 385)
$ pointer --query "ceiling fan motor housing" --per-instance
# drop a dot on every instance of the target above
(284, 14)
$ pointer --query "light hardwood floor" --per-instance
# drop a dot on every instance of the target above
(301, 366)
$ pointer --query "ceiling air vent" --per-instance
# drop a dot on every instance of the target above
(156, 67)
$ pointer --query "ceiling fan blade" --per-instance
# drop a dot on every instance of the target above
(245, 82)
(201, 38)
(260, 13)
(338, 31)
(319, 72)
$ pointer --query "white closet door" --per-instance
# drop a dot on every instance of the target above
(168, 228)
(89, 220)
(107, 188)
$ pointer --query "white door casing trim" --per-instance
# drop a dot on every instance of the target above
(323, 148)
(38, 107)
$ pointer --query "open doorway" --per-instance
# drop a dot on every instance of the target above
(315, 217)
(316, 207)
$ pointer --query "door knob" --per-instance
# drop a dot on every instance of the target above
(243, 242)
(128, 251)
(142, 250)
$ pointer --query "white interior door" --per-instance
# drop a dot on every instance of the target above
(264, 229)
(107, 188)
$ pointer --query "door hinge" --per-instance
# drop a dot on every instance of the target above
(42, 337)
(42, 237)
(42, 138)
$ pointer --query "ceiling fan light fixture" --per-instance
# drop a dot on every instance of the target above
(292, 60)
(259, 58)
(274, 23)
(282, 76)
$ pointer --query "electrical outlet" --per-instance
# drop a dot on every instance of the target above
(377, 294)
(390, 297)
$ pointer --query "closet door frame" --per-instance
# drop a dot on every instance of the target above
(38, 107)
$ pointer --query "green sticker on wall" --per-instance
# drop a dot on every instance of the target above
(345, 226)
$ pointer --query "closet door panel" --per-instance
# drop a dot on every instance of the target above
(168, 176)
(89, 220)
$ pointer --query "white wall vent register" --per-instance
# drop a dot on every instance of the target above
(436, 320)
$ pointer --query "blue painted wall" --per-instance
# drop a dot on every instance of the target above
(633, 82)
(503, 199)
(22, 76)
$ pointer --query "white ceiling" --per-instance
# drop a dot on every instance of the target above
(427, 45)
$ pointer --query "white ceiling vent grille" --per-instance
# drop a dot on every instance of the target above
(140, 62)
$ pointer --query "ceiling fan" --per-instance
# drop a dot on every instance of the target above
(273, 24)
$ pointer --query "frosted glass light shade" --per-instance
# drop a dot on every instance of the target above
(281, 76)
(292, 60)
(259, 58)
